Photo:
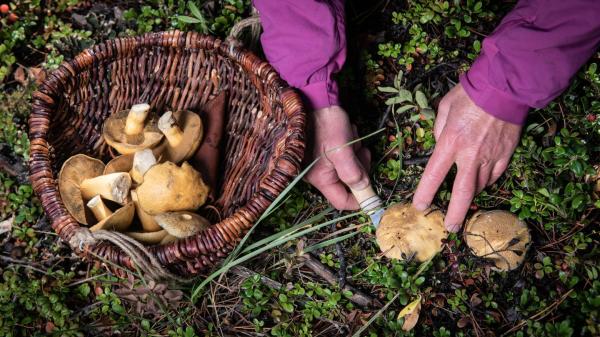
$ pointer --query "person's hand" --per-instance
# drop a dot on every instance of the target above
(340, 166)
(480, 144)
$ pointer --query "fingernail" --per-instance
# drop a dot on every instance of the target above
(421, 206)
(453, 228)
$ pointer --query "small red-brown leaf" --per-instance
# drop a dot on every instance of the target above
(20, 76)
(463, 322)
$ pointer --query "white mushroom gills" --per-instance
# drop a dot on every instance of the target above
(142, 161)
(113, 186)
(134, 125)
(99, 208)
(168, 126)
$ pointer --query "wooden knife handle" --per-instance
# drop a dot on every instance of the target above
(368, 200)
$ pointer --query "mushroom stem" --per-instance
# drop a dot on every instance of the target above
(113, 186)
(148, 222)
(134, 124)
(142, 162)
(99, 208)
(168, 125)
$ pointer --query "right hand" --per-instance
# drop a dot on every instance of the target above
(340, 166)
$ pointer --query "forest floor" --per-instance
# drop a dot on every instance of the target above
(403, 56)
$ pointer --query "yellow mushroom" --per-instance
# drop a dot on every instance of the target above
(148, 222)
(131, 131)
(405, 232)
(120, 220)
(73, 172)
(183, 130)
(181, 224)
(142, 161)
(148, 237)
(122, 163)
(498, 236)
(168, 187)
(112, 186)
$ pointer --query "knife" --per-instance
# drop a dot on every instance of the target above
(370, 203)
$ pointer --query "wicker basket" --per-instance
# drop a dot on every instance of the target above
(263, 140)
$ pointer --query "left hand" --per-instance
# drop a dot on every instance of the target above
(480, 144)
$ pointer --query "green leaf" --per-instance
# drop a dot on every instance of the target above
(421, 99)
(195, 11)
(428, 113)
(405, 108)
(405, 95)
(388, 89)
(188, 19)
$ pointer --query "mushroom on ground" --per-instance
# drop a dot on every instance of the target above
(147, 220)
(183, 130)
(112, 186)
(498, 236)
(405, 232)
(118, 221)
(181, 224)
(148, 237)
(73, 172)
(129, 131)
(168, 187)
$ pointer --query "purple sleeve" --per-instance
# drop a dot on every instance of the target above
(305, 41)
(530, 58)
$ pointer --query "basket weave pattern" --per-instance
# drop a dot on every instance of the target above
(263, 140)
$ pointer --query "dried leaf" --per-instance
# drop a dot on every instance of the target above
(173, 295)
(20, 76)
(6, 225)
(411, 314)
(463, 322)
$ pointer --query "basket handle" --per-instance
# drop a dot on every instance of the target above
(252, 22)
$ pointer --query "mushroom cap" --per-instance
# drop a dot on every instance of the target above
(499, 236)
(122, 163)
(405, 231)
(75, 170)
(148, 237)
(120, 220)
(113, 132)
(168, 239)
(168, 187)
(191, 125)
(181, 224)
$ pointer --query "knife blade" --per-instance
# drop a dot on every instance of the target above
(370, 203)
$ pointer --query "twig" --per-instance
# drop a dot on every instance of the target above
(247, 273)
(358, 297)
(540, 314)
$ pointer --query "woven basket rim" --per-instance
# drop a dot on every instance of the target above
(221, 237)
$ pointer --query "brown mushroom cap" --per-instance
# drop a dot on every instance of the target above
(498, 236)
(148, 237)
(75, 170)
(168, 187)
(115, 136)
(181, 224)
(183, 130)
(405, 231)
(168, 239)
(122, 163)
(120, 220)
